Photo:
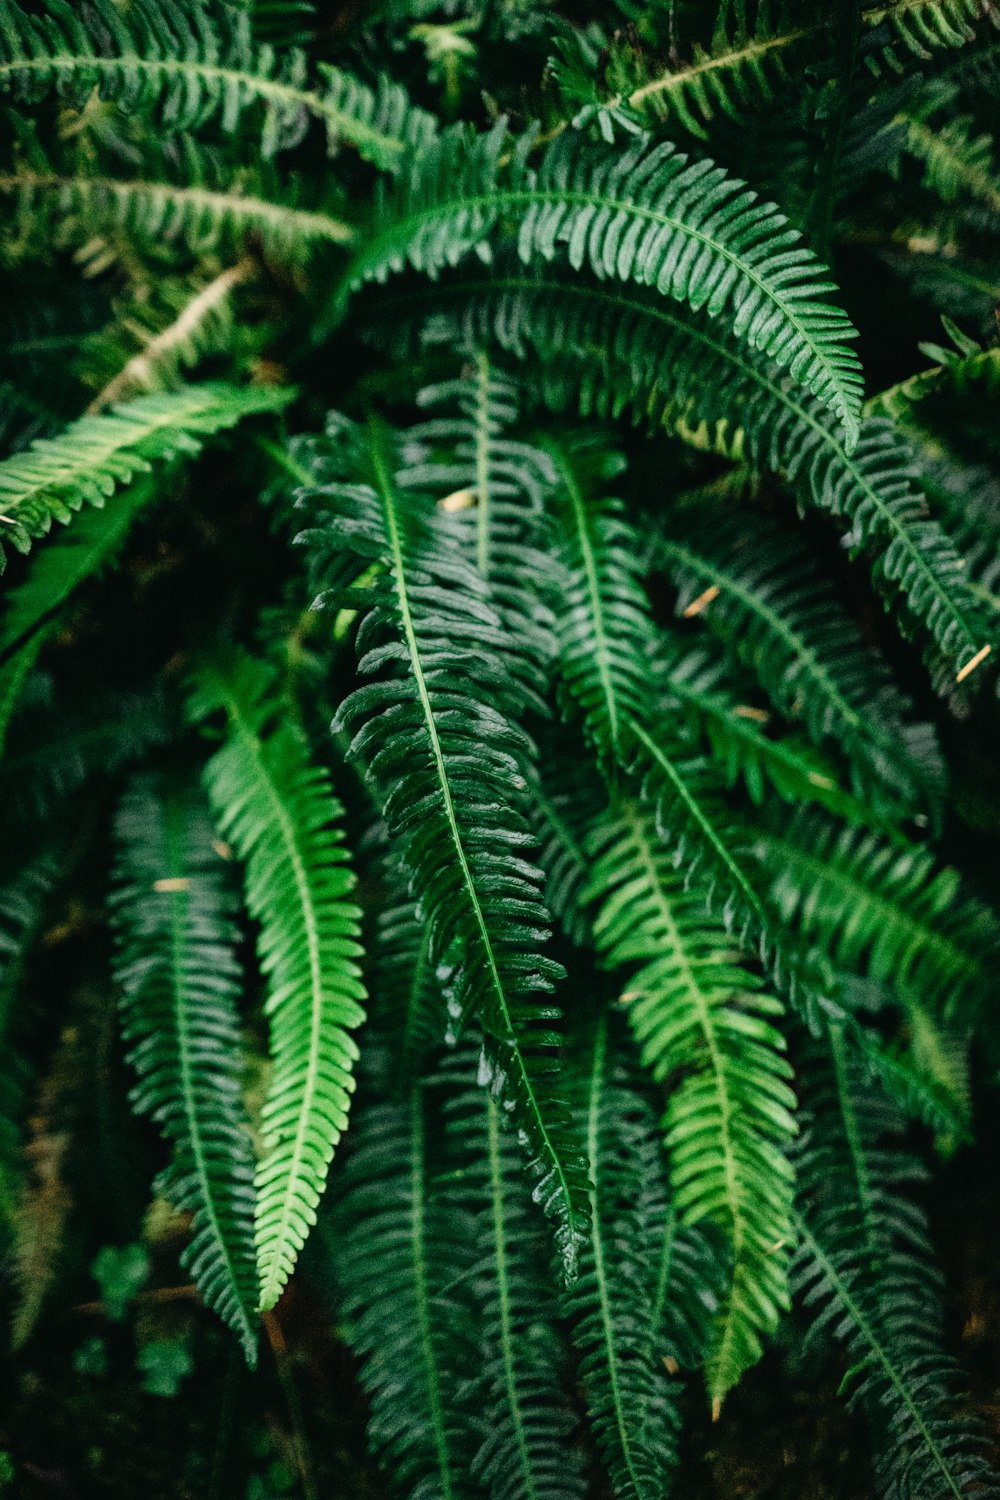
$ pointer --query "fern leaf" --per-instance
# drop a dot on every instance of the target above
(774, 612)
(525, 1452)
(404, 1248)
(632, 217)
(608, 351)
(195, 66)
(699, 1016)
(190, 195)
(632, 1407)
(883, 908)
(432, 729)
(179, 980)
(93, 457)
(278, 812)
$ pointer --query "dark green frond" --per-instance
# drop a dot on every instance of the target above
(704, 1026)
(630, 1402)
(884, 908)
(403, 1257)
(646, 216)
(278, 811)
(198, 64)
(432, 728)
(180, 979)
(760, 592)
(526, 1452)
(609, 351)
(88, 462)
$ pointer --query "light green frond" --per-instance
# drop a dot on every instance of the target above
(179, 979)
(278, 811)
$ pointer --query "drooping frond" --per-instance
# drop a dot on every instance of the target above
(179, 979)
(188, 194)
(278, 811)
(526, 1452)
(646, 216)
(492, 488)
(404, 1253)
(93, 457)
(630, 1402)
(432, 728)
(886, 908)
(701, 1018)
(761, 594)
(957, 165)
(610, 351)
(864, 1269)
(605, 629)
(198, 64)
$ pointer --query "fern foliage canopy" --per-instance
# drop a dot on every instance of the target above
(500, 541)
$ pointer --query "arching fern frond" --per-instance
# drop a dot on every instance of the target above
(609, 351)
(631, 1404)
(646, 216)
(93, 457)
(195, 65)
(277, 810)
(187, 194)
(432, 727)
(700, 1018)
(179, 978)
(492, 488)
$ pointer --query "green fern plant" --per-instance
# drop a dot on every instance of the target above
(498, 752)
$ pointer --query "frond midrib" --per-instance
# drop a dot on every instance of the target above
(422, 1294)
(311, 222)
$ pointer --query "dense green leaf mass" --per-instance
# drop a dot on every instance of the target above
(498, 753)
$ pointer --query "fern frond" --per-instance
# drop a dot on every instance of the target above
(432, 728)
(646, 216)
(179, 979)
(404, 1250)
(605, 629)
(492, 488)
(865, 1270)
(773, 611)
(607, 352)
(198, 65)
(525, 1453)
(189, 194)
(741, 748)
(883, 908)
(278, 811)
(96, 455)
(956, 165)
(702, 1019)
(631, 1405)
(743, 68)
(959, 373)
